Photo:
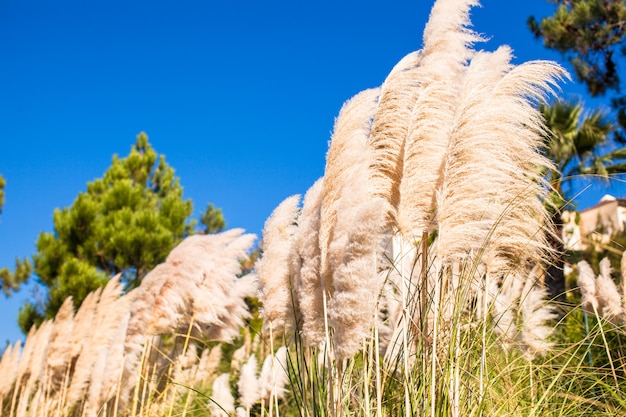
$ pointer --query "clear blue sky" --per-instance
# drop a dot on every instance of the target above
(240, 96)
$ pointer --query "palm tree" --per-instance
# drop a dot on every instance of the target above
(580, 146)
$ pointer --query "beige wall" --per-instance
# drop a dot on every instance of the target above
(599, 223)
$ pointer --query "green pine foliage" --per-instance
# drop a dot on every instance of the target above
(212, 220)
(125, 222)
(10, 281)
(591, 33)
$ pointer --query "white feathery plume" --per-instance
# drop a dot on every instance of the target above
(115, 352)
(60, 349)
(241, 412)
(198, 370)
(587, 286)
(273, 268)
(94, 387)
(490, 176)
(8, 368)
(137, 337)
(408, 62)
(24, 359)
(503, 304)
(185, 366)
(193, 249)
(22, 362)
(143, 303)
(213, 360)
(535, 315)
(513, 284)
(38, 358)
(200, 284)
(222, 283)
(389, 132)
(608, 295)
(97, 339)
(189, 262)
(202, 368)
(447, 32)
(83, 322)
(521, 232)
(248, 384)
(464, 213)
(222, 403)
(503, 295)
(197, 284)
(306, 264)
(350, 275)
(347, 149)
(355, 289)
(520, 312)
(36, 368)
(238, 358)
(171, 303)
(244, 287)
(447, 48)
(274, 377)
(347, 273)
(390, 310)
(248, 286)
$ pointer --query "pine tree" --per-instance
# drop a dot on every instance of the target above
(591, 34)
(11, 281)
(212, 220)
(125, 222)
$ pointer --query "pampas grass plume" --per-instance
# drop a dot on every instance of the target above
(273, 268)
(96, 339)
(60, 349)
(347, 149)
(355, 282)
(490, 180)
(608, 295)
(222, 403)
(536, 315)
(248, 384)
(8, 368)
(389, 130)
(306, 262)
(274, 377)
(444, 56)
(83, 322)
(587, 287)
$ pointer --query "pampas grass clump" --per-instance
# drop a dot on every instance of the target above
(408, 281)
(425, 238)
(129, 354)
(447, 150)
(600, 295)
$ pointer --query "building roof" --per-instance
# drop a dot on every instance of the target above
(607, 199)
